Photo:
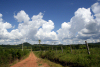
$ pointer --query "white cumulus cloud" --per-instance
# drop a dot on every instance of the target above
(46, 33)
(32, 31)
(96, 7)
(63, 32)
(22, 16)
(82, 25)
(4, 34)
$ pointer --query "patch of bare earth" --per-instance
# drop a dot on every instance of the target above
(31, 61)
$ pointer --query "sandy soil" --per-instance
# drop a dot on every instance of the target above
(31, 61)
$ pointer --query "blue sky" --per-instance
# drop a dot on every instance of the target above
(59, 11)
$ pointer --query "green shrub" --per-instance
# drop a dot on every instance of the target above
(9, 55)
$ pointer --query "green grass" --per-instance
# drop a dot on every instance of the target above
(39, 64)
(51, 64)
(78, 57)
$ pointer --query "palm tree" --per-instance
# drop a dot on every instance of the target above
(39, 44)
(39, 41)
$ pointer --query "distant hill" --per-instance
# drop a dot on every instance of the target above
(41, 44)
(26, 44)
(60, 44)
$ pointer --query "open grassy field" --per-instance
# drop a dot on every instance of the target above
(78, 57)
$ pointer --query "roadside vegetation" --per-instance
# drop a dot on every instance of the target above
(74, 55)
(78, 57)
(8, 56)
(44, 60)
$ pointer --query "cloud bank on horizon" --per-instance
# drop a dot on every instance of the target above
(84, 25)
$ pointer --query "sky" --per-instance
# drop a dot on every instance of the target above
(51, 21)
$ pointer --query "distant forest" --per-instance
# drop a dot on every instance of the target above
(37, 47)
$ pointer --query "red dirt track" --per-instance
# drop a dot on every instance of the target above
(31, 61)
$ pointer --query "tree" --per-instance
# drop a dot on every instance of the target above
(39, 44)
(39, 41)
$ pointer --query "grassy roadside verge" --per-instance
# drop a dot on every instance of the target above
(16, 61)
(41, 61)
(9, 56)
(78, 57)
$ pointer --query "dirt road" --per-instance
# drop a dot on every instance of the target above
(31, 61)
